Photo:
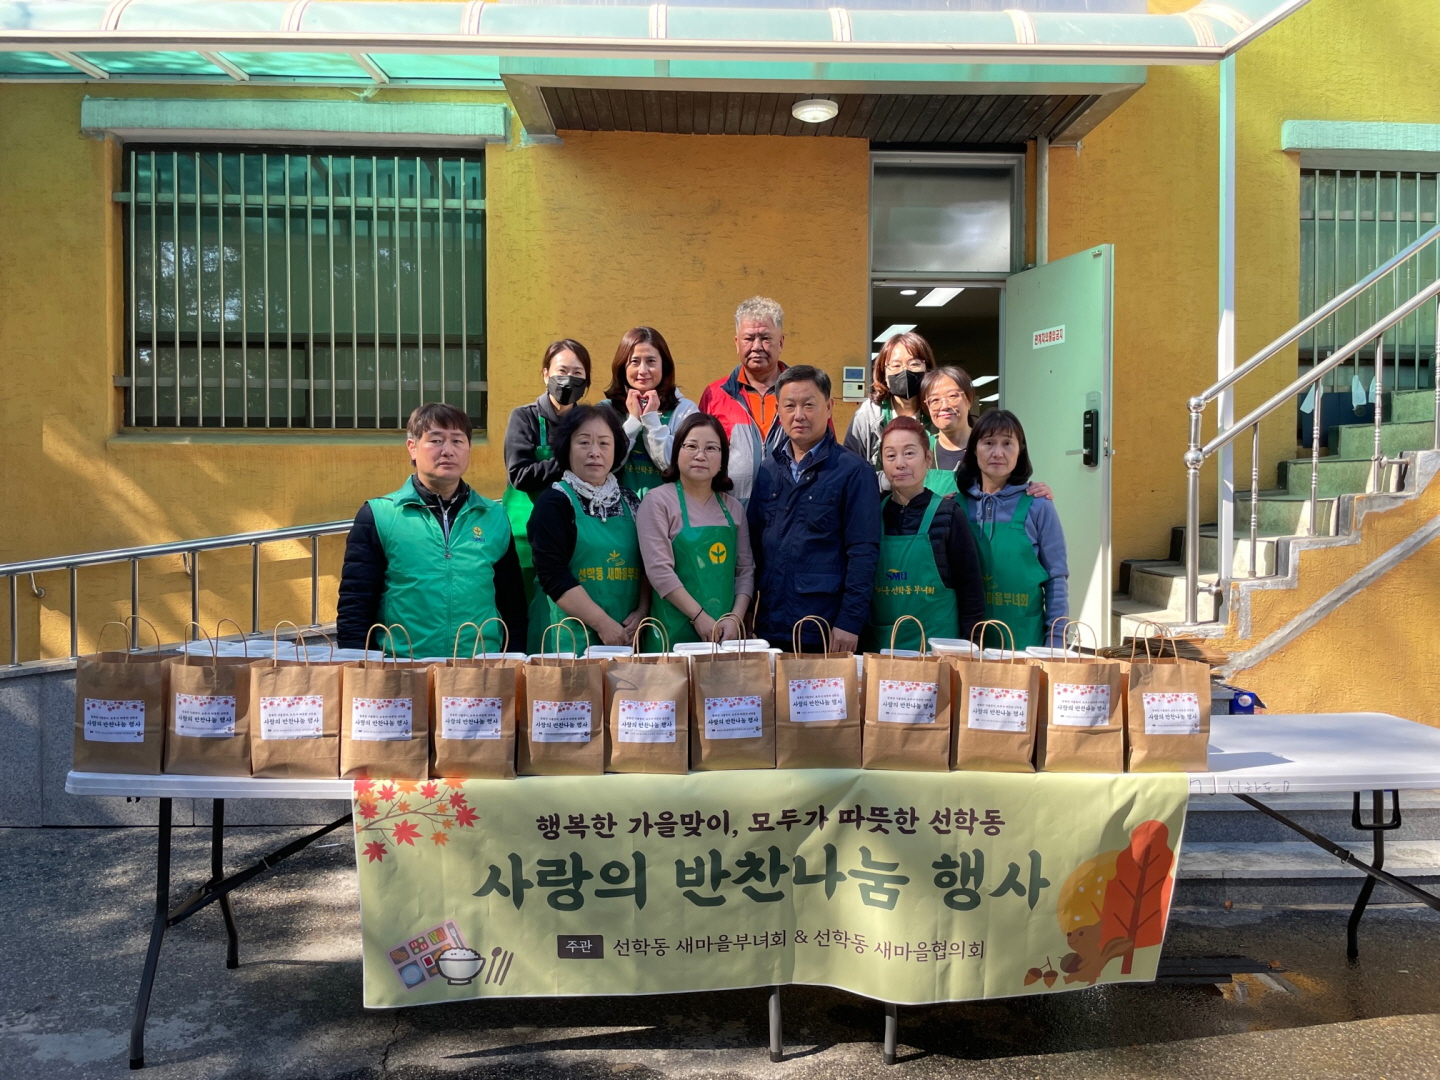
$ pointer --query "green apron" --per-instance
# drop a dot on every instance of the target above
(705, 565)
(640, 473)
(607, 565)
(1014, 578)
(518, 506)
(940, 481)
(907, 582)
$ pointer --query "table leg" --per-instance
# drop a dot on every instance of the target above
(1378, 827)
(777, 1038)
(217, 875)
(892, 1032)
(157, 937)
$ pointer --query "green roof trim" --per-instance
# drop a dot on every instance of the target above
(373, 123)
(1364, 145)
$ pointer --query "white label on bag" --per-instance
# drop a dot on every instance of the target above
(905, 702)
(1171, 714)
(733, 717)
(647, 721)
(301, 716)
(470, 717)
(994, 708)
(205, 716)
(381, 719)
(114, 721)
(560, 721)
(817, 699)
(1080, 705)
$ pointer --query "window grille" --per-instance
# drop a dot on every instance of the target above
(301, 289)
(1350, 223)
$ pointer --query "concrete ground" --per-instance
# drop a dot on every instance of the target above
(75, 906)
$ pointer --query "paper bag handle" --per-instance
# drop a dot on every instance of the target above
(126, 624)
(390, 636)
(1001, 625)
(825, 634)
(924, 646)
(479, 642)
(1064, 624)
(563, 624)
(214, 655)
(715, 630)
(660, 631)
(244, 641)
(295, 644)
(1166, 637)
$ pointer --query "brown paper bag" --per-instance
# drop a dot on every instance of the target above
(120, 710)
(817, 707)
(385, 716)
(647, 710)
(1167, 718)
(563, 733)
(997, 704)
(1084, 704)
(732, 711)
(907, 710)
(476, 702)
(207, 730)
(294, 716)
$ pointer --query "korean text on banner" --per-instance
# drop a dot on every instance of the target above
(898, 886)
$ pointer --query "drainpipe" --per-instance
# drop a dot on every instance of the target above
(1042, 200)
(1225, 351)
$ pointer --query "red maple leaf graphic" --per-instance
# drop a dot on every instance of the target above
(466, 817)
(375, 851)
(387, 792)
(368, 810)
(430, 790)
(363, 784)
(440, 838)
(405, 833)
(457, 800)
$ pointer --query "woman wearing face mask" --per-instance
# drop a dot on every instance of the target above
(643, 391)
(900, 367)
(529, 455)
(928, 567)
(694, 539)
(587, 552)
(1021, 544)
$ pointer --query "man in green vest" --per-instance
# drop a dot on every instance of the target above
(433, 555)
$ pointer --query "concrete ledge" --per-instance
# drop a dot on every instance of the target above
(1300, 860)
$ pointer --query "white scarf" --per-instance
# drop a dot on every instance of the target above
(602, 502)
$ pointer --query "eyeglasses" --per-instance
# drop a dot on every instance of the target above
(953, 398)
(697, 449)
(894, 367)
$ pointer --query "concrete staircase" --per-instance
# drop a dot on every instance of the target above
(1154, 589)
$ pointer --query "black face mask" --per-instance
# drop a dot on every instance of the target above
(566, 389)
(904, 384)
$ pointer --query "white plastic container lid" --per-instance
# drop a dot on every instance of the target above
(608, 652)
(1003, 654)
(478, 656)
(551, 656)
(954, 646)
(903, 653)
(258, 649)
(1043, 652)
(754, 644)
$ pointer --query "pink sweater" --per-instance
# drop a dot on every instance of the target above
(658, 522)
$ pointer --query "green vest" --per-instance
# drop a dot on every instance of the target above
(433, 587)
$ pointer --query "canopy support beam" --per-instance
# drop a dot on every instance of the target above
(80, 64)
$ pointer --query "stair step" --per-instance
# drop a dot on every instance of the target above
(1338, 475)
(1266, 552)
(1161, 584)
(1358, 440)
(1128, 615)
(1412, 406)
(1298, 859)
(1283, 514)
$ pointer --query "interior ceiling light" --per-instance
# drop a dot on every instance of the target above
(984, 380)
(987, 400)
(893, 329)
(938, 297)
(815, 110)
(908, 292)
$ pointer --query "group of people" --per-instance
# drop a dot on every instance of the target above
(737, 514)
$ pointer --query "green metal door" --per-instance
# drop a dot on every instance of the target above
(1054, 369)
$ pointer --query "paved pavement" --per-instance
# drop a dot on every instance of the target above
(74, 916)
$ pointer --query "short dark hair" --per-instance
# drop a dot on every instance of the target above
(803, 373)
(619, 384)
(555, 348)
(436, 415)
(721, 480)
(958, 375)
(579, 414)
(994, 422)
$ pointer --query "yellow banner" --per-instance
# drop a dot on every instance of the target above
(905, 887)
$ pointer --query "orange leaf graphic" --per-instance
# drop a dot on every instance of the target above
(1137, 900)
(440, 838)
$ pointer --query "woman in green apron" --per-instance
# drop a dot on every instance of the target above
(1022, 547)
(928, 567)
(948, 396)
(643, 392)
(900, 368)
(582, 534)
(694, 539)
(529, 458)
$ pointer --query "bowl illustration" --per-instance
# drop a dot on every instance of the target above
(459, 965)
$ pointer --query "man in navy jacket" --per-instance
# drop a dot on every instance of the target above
(814, 522)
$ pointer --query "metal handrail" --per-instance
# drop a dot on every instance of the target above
(1314, 319)
(1197, 453)
(190, 551)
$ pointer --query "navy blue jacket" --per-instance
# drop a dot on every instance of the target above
(816, 543)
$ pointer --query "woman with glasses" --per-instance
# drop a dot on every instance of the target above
(900, 367)
(643, 391)
(696, 554)
(948, 398)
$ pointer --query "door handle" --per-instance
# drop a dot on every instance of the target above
(1091, 441)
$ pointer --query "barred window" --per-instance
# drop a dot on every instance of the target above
(269, 288)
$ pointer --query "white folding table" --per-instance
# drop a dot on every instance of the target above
(1250, 757)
